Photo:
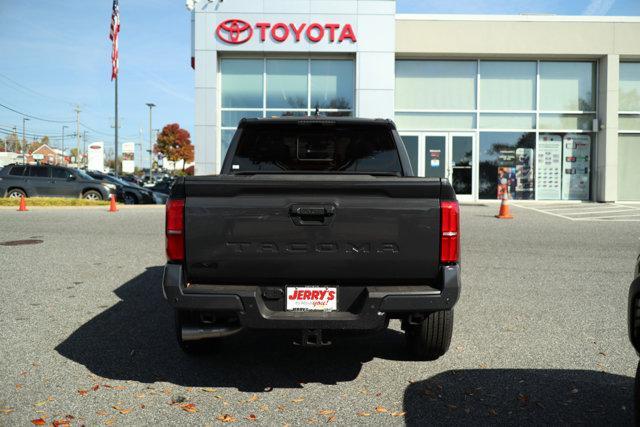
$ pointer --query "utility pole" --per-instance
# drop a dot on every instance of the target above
(15, 133)
(63, 128)
(77, 135)
(150, 105)
(24, 140)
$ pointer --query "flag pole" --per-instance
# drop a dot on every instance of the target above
(115, 164)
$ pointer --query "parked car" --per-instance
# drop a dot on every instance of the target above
(316, 226)
(129, 193)
(51, 181)
(634, 329)
(131, 179)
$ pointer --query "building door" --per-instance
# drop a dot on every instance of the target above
(449, 155)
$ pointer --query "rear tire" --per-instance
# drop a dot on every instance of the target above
(130, 199)
(636, 397)
(431, 338)
(184, 317)
(16, 193)
(92, 195)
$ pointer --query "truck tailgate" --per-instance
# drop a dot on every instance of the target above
(312, 230)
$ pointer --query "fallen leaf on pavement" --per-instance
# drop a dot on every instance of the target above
(83, 392)
(110, 421)
(264, 408)
(483, 366)
(95, 387)
(123, 411)
(398, 414)
(7, 411)
(189, 407)
(44, 402)
(226, 418)
(209, 390)
(102, 413)
(18, 386)
(252, 417)
(298, 400)
(381, 409)
(331, 419)
(59, 423)
(119, 387)
(253, 398)
(364, 414)
(327, 412)
(38, 422)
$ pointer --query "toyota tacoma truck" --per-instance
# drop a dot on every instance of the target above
(316, 226)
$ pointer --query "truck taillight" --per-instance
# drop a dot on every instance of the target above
(450, 232)
(174, 228)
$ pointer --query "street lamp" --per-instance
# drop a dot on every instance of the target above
(150, 105)
(24, 140)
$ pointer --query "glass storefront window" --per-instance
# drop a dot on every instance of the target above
(507, 85)
(332, 84)
(629, 98)
(287, 83)
(231, 118)
(629, 122)
(412, 146)
(567, 121)
(435, 121)
(242, 83)
(567, 86)
(427, 85)
(225, 140)
(628, 175)
(507, 165)
(507, 121)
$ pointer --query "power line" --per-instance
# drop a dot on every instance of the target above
(27, 89)
(35, 117)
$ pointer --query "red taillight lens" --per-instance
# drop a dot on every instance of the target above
(450, 232)
(175, 230)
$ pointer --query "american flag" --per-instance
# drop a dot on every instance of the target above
(113, 36)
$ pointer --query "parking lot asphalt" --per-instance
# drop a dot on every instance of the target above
(540, 334)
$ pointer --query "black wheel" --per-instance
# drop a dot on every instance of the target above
(92, 195)
(184, 317)
(16, 193)
(430, 339)
(130, 199)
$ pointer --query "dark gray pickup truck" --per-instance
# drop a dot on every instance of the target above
(316, 226)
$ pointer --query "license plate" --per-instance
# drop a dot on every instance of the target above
(310, 298)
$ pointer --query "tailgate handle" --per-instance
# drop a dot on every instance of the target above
(312, 215)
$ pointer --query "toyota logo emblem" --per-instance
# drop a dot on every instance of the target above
(234, 31)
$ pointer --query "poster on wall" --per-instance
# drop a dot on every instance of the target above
(549, 168)
(524, 174)
(576, 160)
(95, 157)
(506, 173)
(128, 157)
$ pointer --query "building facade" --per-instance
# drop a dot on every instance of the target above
(539, 107)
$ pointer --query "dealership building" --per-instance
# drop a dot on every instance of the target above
(540, 107)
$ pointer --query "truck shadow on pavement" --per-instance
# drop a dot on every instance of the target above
(520, 397)
(135, 340)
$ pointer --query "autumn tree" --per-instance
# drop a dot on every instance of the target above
(175, 144)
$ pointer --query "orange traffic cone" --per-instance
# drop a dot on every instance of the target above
(23, 205)
(504, 208)
(112, 206)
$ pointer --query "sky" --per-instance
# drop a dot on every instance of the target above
(56, 55)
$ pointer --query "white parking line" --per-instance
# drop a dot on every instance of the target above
(599, 212)
(589, 212)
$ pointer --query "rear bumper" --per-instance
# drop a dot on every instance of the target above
(378, 305)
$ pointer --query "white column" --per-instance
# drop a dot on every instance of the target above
(605, 168)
